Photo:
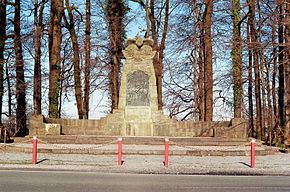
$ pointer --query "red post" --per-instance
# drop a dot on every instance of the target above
(253, 153)
(34, 150)
(120, 152)
(166, 140)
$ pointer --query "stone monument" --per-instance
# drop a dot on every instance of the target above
(137, 113)
(138, 105)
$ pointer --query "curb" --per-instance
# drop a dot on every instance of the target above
(179, 152)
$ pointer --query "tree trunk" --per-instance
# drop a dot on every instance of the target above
(281, 91)
(55, 33)
(87, 60)
(287, 72)
(274, 74)
(263, 90)
(195, 61)
(237, 60)
(20, 81)
(255, 48)
(9, 89)
(208, 61)
(201, 73)
(115, 13)
(269, 112)
(76, 60)
(38, 27)
(252, 129)
(161, 55)
(156, 62)
(2, 48)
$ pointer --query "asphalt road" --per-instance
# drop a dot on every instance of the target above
(56, 181)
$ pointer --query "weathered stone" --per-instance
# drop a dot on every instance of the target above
(52, 129)
(137, 89)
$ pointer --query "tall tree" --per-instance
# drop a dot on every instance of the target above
(287, 72)
(195, 61)
(115, 14)
(55, 32)
(2, 48)
(38, 30)
(250, 81)
(159, 48)
(20, 81)
(76, 59)
(281, 91)
(201, 77)
(274, 68)
(254, 45)
(208, 61)
(87, 60)
(237, 59)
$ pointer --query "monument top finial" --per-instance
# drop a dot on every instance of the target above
(139, 42)
(139, 49)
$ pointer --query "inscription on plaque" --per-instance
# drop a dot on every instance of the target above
(137, 89)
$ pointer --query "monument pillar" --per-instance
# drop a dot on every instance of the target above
(138, 92)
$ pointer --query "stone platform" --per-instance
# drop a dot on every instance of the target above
(198, 146)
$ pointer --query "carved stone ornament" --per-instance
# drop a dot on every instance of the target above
(139, 49)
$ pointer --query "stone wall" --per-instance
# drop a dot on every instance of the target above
(237, 128)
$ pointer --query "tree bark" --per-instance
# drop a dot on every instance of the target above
(2, 48)
(115, 13)
(87, 60)
(237, 60)
(161, 55)
(286, 127)
(208, 61)
(76, 60)
(195, 62)
(20, 81)
(55, 33)
(201, 73)
(281, 91)
(274, 74)
(156, 62)
(252, 129)
(8, 90)
(38, 28)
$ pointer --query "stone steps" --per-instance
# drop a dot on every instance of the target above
(182, 146)
(111, 149)
(91, 139)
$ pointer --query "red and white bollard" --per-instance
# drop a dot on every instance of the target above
(120, 162)
(253, 153)
(34, 150)
(166, 152)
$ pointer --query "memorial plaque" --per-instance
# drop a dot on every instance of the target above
(137, 89)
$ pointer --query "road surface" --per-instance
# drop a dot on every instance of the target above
(60, 181)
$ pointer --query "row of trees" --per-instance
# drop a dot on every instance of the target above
(216, 56)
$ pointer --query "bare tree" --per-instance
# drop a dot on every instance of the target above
(281, 37)
(287, 72)
(115, 14)
(38, 32)
(87, 60)
(20, 81)
(76, 59)
(2, 48)
(56, 14)
(237, 59)
(208, 61)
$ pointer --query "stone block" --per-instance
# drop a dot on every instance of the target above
(52, 129)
